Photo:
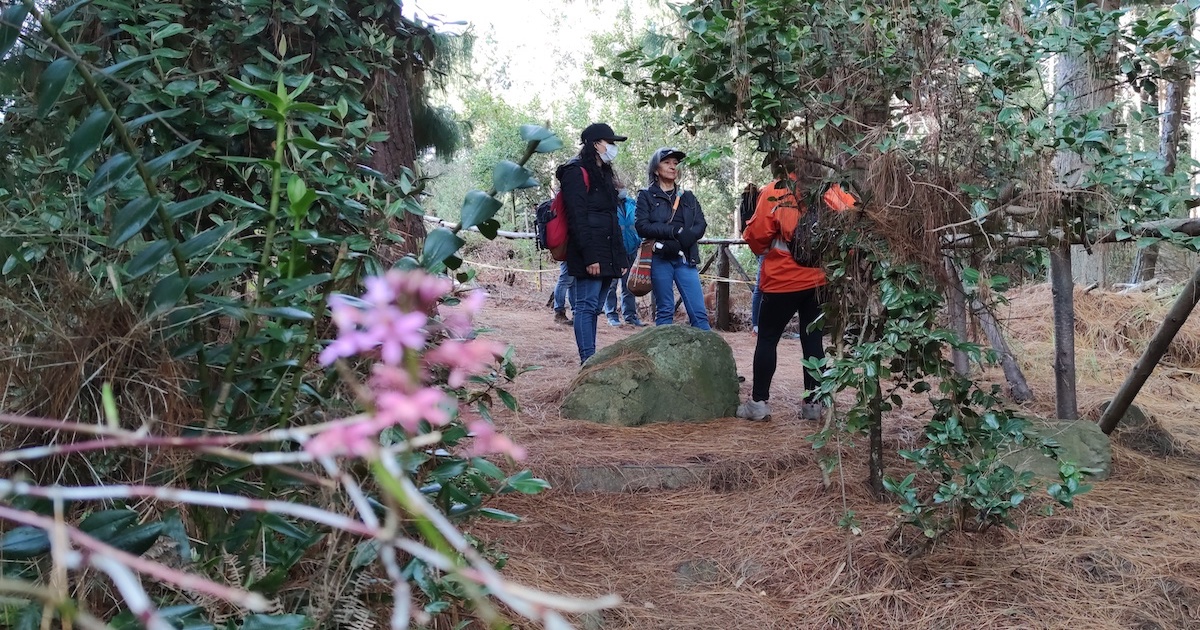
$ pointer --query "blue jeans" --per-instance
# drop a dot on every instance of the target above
(756, 295)
(665, 275)
(564, 288)
(628, 301)
(587, 312)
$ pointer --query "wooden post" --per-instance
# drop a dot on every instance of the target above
(723, 322)
(1063, 288)
(1018, 387)
(1159, 343)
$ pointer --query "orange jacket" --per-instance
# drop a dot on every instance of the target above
(770, 229)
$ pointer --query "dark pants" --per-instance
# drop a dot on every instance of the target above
(776, 311)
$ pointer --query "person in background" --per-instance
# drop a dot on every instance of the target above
(626, 215)
(746, 212)
(673, 218)
(788, 289)
(564, 289)
(595, 250)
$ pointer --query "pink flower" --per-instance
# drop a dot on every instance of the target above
(460, 322)
(408, 410)
(488, 441)
(464, 358)
(356, 437)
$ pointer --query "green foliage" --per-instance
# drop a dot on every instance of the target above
(961, 481)
(225, 184)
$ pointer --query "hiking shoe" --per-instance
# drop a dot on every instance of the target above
(634, 322)
(754, 410)
(560, 317)
(812, 411)
(613, 321)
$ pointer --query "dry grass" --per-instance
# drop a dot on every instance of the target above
(57, 350)
(769, 546)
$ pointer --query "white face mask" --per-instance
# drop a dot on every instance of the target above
(610, 153)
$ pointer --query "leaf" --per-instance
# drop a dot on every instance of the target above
(87, 138)
(277, 622)
(51, 84)
(107, 518)
(365, 553)
(265, 95)
(11, 20)
(66, 14)
(499, 515)
(180, 209)
(300, 285)
(532, 133)
(109, 174)
(131, 218)
(487, 468)
(549, 145)
(24, 542)
(160, 163)
(508, 176)
(163, 115)
(166, 294)
(284, 312)
(440, 244)
(117, 67)
(478, 207)
(280, 526)
(204, 241)
(296, 189)
(137, 540)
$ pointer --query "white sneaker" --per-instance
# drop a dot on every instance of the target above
(812, 411)
(754, 410)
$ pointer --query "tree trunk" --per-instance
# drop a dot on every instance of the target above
(394, 115)
(1018, 387)
(1150, 357)
(1169, 132)
(1063, 287)
(956, 306)
(1083, 86)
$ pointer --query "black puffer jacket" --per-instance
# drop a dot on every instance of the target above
(594, 235)
(654, 221)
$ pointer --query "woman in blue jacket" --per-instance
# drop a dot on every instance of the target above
(673, 218)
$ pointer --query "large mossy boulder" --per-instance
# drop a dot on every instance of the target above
(1080, 442)
(662, 374)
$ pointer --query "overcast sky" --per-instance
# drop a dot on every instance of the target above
(529, 38)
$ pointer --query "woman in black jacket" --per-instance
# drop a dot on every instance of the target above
(595, 253)
(673, 218)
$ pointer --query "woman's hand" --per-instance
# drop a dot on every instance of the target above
(593, 269)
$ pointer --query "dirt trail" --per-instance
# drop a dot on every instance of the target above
(763, 547)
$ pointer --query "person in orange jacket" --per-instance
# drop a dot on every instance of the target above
(787, 288)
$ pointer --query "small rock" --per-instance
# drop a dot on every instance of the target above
(697, 572)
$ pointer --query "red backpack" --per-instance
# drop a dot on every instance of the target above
(552, 223)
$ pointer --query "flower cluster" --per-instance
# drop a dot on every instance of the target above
(393, 318)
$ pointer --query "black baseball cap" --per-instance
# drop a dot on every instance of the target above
(600, 131)
(668, 152)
